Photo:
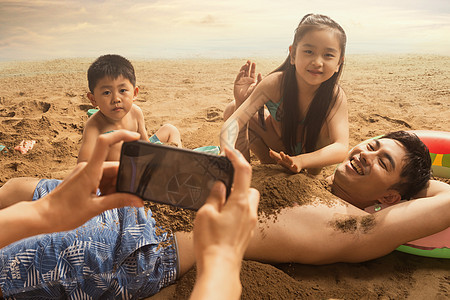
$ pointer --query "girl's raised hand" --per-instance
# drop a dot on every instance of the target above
(293, 164)
(245, 82)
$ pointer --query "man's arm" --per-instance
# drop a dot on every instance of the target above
(320, 233)
(222, 231)
(74, 201)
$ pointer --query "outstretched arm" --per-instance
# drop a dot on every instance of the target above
(74, 201)
(322, 233)
(221, 234)
(330, 153)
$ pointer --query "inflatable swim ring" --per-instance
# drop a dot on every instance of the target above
(438, 244)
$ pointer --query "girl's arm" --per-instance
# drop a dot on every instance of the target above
(267, 89)
(333, 153)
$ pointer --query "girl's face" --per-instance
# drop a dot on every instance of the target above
(317, 56)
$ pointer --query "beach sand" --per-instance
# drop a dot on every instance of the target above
(46, 101)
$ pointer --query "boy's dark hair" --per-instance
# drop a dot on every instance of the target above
(110, 65)
(417, 169)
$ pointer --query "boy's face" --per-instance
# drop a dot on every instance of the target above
(114, 97)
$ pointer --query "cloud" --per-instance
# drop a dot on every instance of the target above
(160, 28)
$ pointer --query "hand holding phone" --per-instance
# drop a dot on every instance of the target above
(169, 175)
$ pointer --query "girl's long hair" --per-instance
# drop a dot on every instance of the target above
(324, 99)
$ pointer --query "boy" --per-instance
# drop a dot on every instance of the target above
(112, 88)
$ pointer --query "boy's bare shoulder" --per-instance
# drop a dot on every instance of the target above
(94, 124)
(135, 106)
(136, 111)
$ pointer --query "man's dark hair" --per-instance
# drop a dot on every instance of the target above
(110, 65)
(417, 169)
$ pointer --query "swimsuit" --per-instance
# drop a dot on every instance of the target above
(275, 112)
(117, 254)
(154, 139)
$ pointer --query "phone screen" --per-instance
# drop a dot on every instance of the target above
(170, 175)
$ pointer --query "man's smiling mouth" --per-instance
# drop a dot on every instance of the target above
(356, 167)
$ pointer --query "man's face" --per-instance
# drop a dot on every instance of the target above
(369, 171)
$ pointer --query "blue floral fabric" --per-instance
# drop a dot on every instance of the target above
(119, 254)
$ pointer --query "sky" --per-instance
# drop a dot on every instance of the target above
(139, 29)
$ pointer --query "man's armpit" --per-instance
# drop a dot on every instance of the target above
(353, 224)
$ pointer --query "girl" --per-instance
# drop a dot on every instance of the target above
(305, 124)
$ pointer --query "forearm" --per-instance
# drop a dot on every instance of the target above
(329, 155)
(237, 123)
(217, 278)
(229, 133)
(22, 220)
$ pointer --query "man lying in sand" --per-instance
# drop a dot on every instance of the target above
(315, 233)
(112, 88)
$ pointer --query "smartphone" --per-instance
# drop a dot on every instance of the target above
(169, 175)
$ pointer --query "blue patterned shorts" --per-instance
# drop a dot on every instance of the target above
(117, 254)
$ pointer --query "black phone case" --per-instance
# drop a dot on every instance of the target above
(169, 175)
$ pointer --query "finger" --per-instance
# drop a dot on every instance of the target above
(259, 78)
(284, 160)
(217, 196)
(274, 155)
(285, 157)
(253, 199)
(243, 67)
(242, 171)
(247, 67)
(252, 70)
(117, 200)
(102, 146)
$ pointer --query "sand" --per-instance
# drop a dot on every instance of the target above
(46, 101)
